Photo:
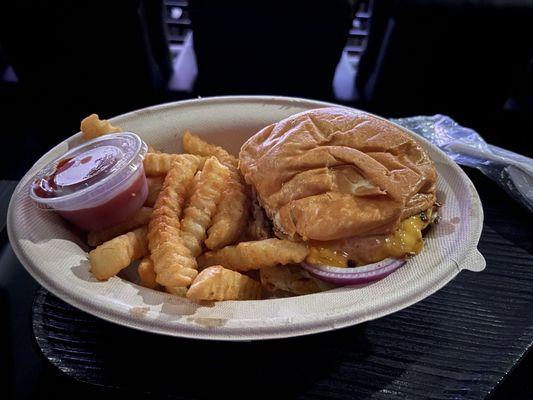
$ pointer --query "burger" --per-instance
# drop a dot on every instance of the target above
(357, 189)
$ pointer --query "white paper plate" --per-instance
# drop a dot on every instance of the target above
(57, 258)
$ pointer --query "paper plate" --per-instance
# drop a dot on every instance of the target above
(57, 257)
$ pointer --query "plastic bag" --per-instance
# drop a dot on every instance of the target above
(513, 172)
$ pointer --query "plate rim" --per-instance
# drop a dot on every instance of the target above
(221, 333)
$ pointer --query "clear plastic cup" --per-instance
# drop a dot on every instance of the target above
(97, 184)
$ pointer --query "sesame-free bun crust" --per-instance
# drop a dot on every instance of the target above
(333, 173)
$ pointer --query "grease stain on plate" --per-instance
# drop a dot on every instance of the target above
(208, 322)
(139, 312)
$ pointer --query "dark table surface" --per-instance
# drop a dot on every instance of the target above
(467, 341)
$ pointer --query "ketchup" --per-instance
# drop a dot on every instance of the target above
(72, 174)
(96, 185)
(113, 211)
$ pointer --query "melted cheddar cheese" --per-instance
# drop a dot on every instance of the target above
(405, 241)
(326, 256)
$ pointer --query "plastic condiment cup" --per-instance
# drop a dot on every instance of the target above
(97, 184)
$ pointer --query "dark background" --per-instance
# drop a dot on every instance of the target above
(468, 59)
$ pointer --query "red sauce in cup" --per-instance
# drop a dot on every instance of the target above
(96, 185)
(72, 174)
(113, 211)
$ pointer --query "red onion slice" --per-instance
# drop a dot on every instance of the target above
(352, 276)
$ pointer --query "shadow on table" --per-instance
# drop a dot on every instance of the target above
(270, 369)
(138, 363)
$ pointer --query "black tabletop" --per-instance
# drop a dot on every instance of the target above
(467, 341)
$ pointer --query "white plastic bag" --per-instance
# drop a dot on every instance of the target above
(513, 172)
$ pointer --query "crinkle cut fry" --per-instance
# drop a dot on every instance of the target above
(111, 257)
(231, 217)
(177, 291)
(254, 255)
(167, 209)
(146, 273)
(92, 127)
(195, 145)
(139, 218)
(173, 263)
(158, 164)
(203, 204)
(218, 283)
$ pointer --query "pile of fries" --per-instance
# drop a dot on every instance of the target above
(200, 234)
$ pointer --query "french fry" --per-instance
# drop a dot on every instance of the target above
(195, 145)
(193, 187)
(218, 283)
(168, 207)
(288, 278)
(91, 127)
(158, 164)
(231, 217)
(141, 217)
(173, 263)
(203, 204)
(111, 257)
(146, 273)
(155, 183)
(177, 291)
(254, 255)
